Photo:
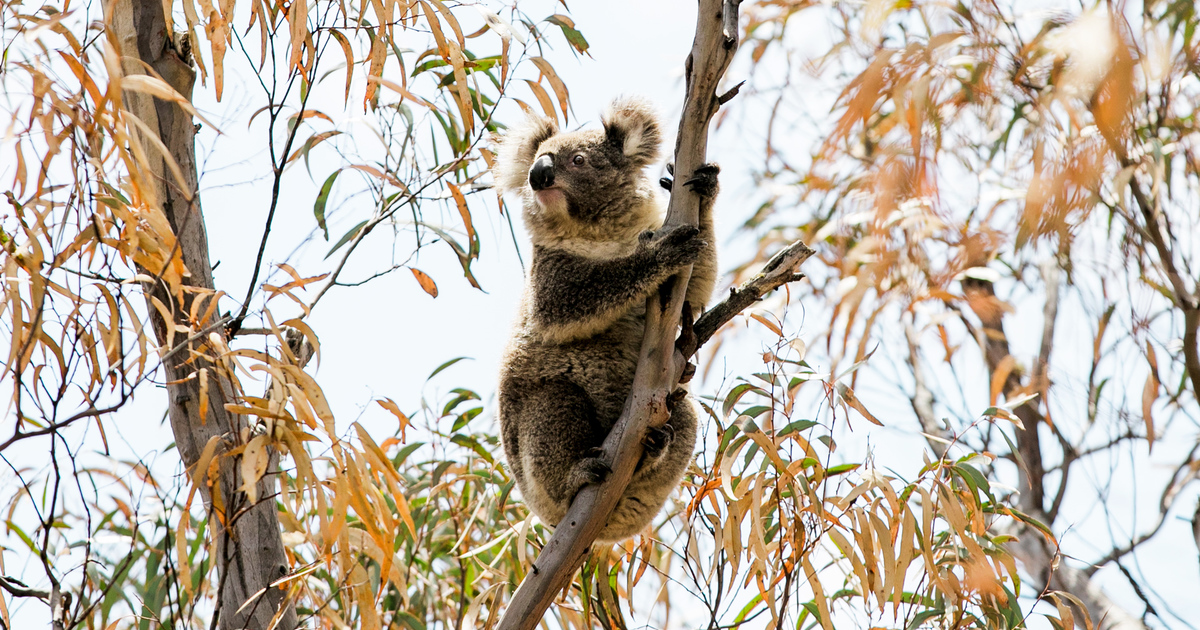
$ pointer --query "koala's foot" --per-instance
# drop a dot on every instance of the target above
(587, 471)
(657, 440)
(704, 181)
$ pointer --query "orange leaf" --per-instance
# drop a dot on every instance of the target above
(425, 281)
(1149, 395)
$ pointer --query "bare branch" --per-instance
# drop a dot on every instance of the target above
(922, 399)
(18, 589)
(778, 271)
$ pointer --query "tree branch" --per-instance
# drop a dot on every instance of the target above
(1184, 298)
(922, 398)
(778, 271)
(18, 589)
(659, 364)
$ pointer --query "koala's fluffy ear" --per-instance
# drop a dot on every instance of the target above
(518, 149)
(632, 125)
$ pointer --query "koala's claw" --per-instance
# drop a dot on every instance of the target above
(704, 181)
(657, 440)
(591, 470)
(689, 370)
(679, 245)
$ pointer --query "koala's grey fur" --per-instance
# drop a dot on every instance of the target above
(569, 366)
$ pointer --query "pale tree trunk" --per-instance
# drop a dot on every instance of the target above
(249, 554)
(1040, 559)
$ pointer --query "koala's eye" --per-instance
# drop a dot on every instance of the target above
(578, 160)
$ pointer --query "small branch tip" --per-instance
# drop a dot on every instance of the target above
(728, 96)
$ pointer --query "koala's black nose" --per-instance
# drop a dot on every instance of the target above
(541, 175)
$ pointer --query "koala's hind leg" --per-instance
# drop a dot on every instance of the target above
(668, 451)
(560, 444)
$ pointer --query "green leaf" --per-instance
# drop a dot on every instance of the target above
(462, 396)
(756, 411)
(747, 609)
(405, 452)
(445, 365)
(466, 417)
(923, 616)
(840, 469)
(736, 394)
(574, 37)
(474, 445)
(322, 199)
(796, 427)
(409, 621)
(347, 237)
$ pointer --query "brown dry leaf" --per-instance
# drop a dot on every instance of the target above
(887, 553)
(907, 554)
(387, 177)
(373, 80)
(183, 564)
(156, 87)
(1116, 92)
(543, 99)
(203, 395)
(425, 281)
(200, 469)
(848, 396)
(818, 590)
(307, 331)
(315, 397)
(1149, 395)
(771, 326)
(297, 17)
(1000, 377)
(560, 88)
(866, 88)
(465, 213)
(850, 551)
(349, 54)
(378, 54)
(390, 405)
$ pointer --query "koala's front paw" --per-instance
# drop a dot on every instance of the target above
(680, 245)
(704, 181)
(668, 182)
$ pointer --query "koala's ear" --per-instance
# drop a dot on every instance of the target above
(517, 149)
(632, 125)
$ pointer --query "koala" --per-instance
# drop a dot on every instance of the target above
(599, 249)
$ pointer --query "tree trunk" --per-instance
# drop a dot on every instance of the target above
(1034, 552)
(249, 553)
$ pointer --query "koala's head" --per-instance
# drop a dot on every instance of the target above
(587, 184)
